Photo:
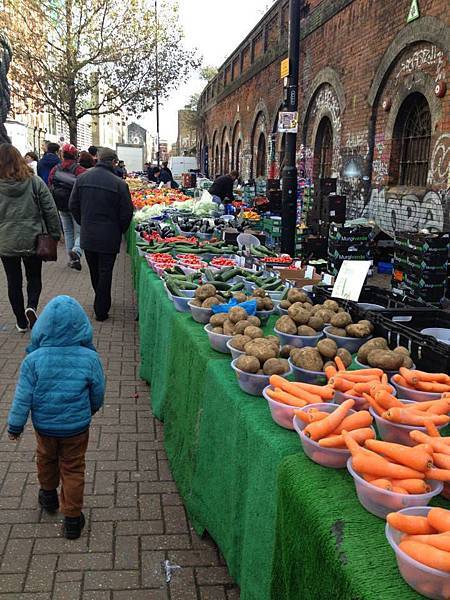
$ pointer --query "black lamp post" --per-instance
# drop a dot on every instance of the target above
(158, 145)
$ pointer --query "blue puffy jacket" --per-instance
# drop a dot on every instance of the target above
(61, 380)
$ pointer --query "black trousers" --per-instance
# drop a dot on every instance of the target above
(33, 273)
(101, 267)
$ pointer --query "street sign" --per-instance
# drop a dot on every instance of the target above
(284, 68)
(288, 122)
(414, 12)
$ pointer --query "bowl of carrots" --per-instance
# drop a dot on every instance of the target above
(320, 429)
(396, 426)
(419, 385)
(420, 538)
(381, 496)
(286, 397)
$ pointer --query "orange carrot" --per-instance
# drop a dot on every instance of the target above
(416, 376)
(425, 406)
(442, 461)
(374, 404)
(427, 555)
(409, 417)
(340, 384)
(405, 455)
(369, 478)
(330, 372)
(377, 465)
(410, 524)
(422, 438)
(291, 388)
(439, 518)
(356, 376)
(399, 490)
(438, 474)
(401, 381)
(365, 386)
(436, 388)
(352, 444)
(384, 379)
(324, 391)
(440, 408)
(384, 484)
(310, 416)
(386, 400)
(339, 363)
(437, 540)
(337, 441)
(321, 429)
(412, 486)
(284, 398)
(353, 393)
(357, 420)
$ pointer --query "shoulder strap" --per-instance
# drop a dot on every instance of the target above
(35, 193)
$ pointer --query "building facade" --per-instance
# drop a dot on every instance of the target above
(187, 132)
(374, 106)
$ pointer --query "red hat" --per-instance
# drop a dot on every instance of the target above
(69, 149)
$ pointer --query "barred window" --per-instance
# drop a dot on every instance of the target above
(261, 157)
(323, 155)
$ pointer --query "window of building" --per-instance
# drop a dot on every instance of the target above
(258, 46)
(235, 69)
(411, 142)
(226, 159)
(323, 151)
(261, 157)
(245, 59)
(237, 156)
(217, 162)
(272, 32)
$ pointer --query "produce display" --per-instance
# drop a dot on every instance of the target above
(143, 197)
(376, 353)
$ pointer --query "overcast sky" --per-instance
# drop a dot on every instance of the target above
(215, 27)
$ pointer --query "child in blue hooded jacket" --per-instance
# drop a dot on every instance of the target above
(62, 383)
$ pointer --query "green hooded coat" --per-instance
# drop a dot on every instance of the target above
(20, 219)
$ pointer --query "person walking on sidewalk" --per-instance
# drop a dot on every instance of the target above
(101, 204)
(48, 161)
(60, 182)
(61, 405)
(25, 206)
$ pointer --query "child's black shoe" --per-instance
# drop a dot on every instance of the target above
(73, 526)
(48, 499)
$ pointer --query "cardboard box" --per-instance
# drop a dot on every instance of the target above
(297, 276)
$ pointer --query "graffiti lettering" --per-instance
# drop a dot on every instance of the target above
(440, 162)
(424, 57)
(326, 99)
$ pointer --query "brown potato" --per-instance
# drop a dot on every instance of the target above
(240, 296)
(325, 315)
(357, 331)
(402, 350)
(407, 361)
(337, 331)
(329, 363)
(367, 324)
(196, 302)
(286, 325)
(256, 321)
(273, 339)
(253, 332)
(217, 330)
(307, 306)
(262, 351)
(341, 320)
(239, 341)
(295, 295)
(237, 314)
(345, 356)
(385, 359)
(316, 323)
(307, 358)
(205, 291)
(276, 366)
(305, 330)
(286, 350)
(299, 314)
(268, 303)
(218, 320)
(212, 301)
(373, 344)
(228, 327)
(258, 293)
(331, 305)
(285, 304)
(327, 348)
(248, 364)
(241, 326)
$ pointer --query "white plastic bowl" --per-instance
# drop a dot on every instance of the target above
(282, 311)
(381, 502)
(429, 582)
(199, 314)
(235, 353)
(181, 303)
(442, 334)
(416, 395)
(250, 383)
(395, 432)
(335, 458)
(298, 341)
(282, 414)
(388, 373)
(276, 295)
(305, 376)
(360, 403)
(351, 344)
(264, 315)
(218, 341)
(188, 293)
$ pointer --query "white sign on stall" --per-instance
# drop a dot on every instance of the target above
(350, 279)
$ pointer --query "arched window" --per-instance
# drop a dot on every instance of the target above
(323, 151)
(226, 159)
(237, 156)
(411, 142)
(261, 157)
(217, 162)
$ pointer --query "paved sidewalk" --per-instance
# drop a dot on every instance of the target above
(135, 517)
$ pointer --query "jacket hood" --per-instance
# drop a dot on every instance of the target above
(13, 188)
(63, 322)
(49, 160)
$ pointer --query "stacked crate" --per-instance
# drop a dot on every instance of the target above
(348, 243)
(420, 266)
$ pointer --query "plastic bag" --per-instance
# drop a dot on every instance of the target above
(249, 306)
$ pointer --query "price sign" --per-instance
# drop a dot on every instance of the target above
(350, 279)
(284, 68)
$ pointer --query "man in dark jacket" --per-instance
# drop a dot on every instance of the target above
(101, 203)
(223, 187)
(48, 161)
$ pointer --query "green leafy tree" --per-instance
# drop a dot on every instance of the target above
(81, 58)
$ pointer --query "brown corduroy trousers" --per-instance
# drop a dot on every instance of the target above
(63, 460)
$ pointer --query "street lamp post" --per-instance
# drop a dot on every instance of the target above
(158, 144)
(289, 188)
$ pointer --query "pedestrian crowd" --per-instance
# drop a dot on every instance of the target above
(61, 381)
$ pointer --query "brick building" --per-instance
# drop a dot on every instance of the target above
(374, 106)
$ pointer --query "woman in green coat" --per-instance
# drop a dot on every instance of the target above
(25, 204)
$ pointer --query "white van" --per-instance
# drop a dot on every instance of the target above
(182, 164)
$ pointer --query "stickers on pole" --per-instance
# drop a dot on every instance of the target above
(350, 279)
(414, 12)
(288, 122)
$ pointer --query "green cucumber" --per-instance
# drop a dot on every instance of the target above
(230, 274)
(237, 287)
(210, 276)
(173, 288)
(220, 285)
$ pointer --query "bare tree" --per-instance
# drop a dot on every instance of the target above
(95, 58)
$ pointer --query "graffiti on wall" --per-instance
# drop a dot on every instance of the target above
(305, 161)
(439, 174)
(326, 103)
(356, 143)
(421, 59)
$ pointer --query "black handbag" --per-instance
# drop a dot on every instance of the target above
(46, 246)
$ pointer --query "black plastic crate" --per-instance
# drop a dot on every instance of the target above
(427, 262)
(350, 234)
(421, 243)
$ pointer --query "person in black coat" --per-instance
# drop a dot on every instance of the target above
(101, 203)
(222, 188)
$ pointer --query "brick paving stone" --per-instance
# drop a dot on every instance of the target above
(135, 519)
